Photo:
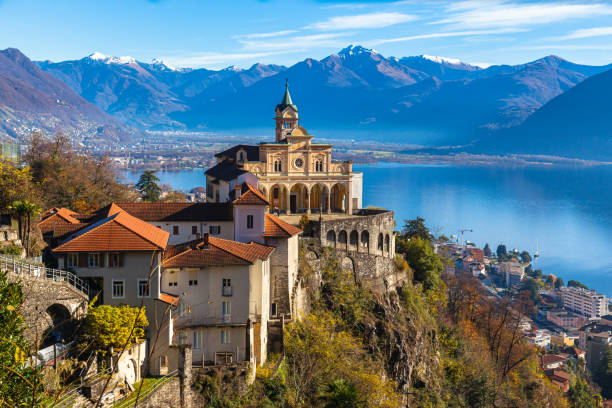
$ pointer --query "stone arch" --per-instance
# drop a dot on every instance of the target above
(298, 201)
(354, 240)
(60, 323)
(387, 243)
(365, 240)
(380, 242)
(131, 371)
(278, 197)
(331, 238)
(348, 264)
(319, 194)
(339, 198)
(342, 240)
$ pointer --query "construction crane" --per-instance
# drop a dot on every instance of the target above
(463, 231)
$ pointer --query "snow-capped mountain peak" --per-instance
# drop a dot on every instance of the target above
(99, 57)
(164, 65)
(443, 60)
(355, 50)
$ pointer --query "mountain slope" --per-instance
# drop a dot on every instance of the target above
(31, 99)
(577, 123)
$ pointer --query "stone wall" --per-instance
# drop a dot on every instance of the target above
(49, 307)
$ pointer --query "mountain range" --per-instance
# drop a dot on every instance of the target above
(355, 93)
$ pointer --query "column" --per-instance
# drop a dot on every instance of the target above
(328, 199)
(349, 199)
(307, 200)
(288, 200)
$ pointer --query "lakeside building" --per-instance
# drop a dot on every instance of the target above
(539, 338)
(565, 319)
(294, 173)
(513, 272)
(585, 302)
(595, 338)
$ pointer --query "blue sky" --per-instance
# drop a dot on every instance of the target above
(215, 34)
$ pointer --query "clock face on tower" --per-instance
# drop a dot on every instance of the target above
(299, 163)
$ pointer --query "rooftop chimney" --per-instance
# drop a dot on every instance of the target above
(205, 240)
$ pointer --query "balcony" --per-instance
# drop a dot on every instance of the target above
(227, 318)
(227, 291)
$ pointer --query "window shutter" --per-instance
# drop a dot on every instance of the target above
(102, 256)
(120, 256)
(82, 259)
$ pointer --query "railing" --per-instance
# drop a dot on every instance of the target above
(39, 271)
(227, 291)
(128, 401)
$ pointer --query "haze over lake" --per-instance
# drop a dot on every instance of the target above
(566, 211)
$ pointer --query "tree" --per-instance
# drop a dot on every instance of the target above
(111, 326)
(148, 185)
(580, 395)
(426, 264)
(487, 250)
(64, 176)
(20, 383)
(559, 283)
(340, 394)
(525, 257)
(15, 184)
(550, 281)
(501, 251)
(416, 229)
(531, 286)
(603, 376)
(576, 284)
(25, 210)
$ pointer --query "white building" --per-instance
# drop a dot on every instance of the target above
(585, 302)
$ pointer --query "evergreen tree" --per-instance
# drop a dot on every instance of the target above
(148, 185)
(416, 229)
(501, 251)
(525, 257)
(340, 394)
(487, 250)
(559, 283)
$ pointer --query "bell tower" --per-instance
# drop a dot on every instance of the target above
(286, 116)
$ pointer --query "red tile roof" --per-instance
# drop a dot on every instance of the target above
(275, 227)
(169, 299)
(548, 359)
(251, 196)
(217, 252)
(57, 216)
(175, 211)
(120, 231)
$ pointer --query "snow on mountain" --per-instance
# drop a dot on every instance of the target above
(160, 63)
(99, 57)
(355, 50)
(443, 60)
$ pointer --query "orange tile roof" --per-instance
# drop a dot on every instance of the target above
(218, 252)
(57, 216)
(175, 211)
(275, 227)
(169, 299)
(251, 196)
(118, 232)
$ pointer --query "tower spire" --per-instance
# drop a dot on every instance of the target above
(287, 97)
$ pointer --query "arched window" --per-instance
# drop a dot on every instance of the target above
(353, 239)
(278, 165)
(365, 240)
(387, 243)
(380, 242)
(342, 238)
(319, 166)
(276, 193)
(331, 238)
(240, 156)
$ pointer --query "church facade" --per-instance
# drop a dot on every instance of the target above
(296, 174)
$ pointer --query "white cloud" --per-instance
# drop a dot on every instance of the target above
(301, 41)
(369, 20)
(480, 14)
(587, 33)
(444, 35)
(268, 35)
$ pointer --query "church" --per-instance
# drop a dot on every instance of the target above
(294, 173)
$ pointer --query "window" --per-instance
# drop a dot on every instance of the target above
(227, 287)
(276, 193)
(197, 339)
(194, 229)
(72, 261)
(118, 288)
(227, 312)
(214, 229)
(273, 309)
(180, 309)
(182, 338)
(299, 163)
(193, 282)
(225, 336)
(286, 125)
(318, 165)
(224, 358)
(114, 259)
(93, 260)
(249, 221)
(173, 283)
(193, 278)
(175, 230)
(278, 165)
(143, 288)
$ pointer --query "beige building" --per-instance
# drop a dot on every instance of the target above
(224, 298)
(294, 173)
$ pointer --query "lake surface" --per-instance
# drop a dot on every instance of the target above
(566, 212)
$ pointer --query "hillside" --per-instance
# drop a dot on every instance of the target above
(31, 99)
(577, 123)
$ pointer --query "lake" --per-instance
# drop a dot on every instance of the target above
(565, 212)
